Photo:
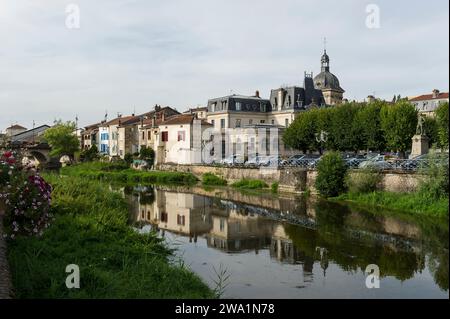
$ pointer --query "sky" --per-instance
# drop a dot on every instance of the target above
(128, 55)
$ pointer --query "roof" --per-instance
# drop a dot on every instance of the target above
(426, 97)
(239, 96)
(16, 127)
(117, 120)
(182, 119)
(327, 80)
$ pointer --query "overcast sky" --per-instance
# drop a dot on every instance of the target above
(129, 55)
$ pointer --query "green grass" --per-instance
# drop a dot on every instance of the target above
(118, 172)
(90, 230)
(250, 184)
(414, 203)
(209, 179)
(274, 187)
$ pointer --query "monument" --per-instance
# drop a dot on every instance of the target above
(420, 142)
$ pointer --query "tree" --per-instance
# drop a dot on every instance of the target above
(431, 131)
(90, 154)
(399, 123)
(147, 154)
(62, 138)
(301, 133)
(442, 124)
(341, 129)
(368, 122)
(331, 174)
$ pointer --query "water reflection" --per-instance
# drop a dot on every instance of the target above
(314, 237)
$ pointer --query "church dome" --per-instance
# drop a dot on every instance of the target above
(327, 80)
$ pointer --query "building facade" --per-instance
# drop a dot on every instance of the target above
(428, 103)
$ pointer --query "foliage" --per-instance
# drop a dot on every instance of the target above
(399, 124)
(341, 130)
(115, 172)
(368, 125)
(436, 184)
(274, 187)
(61, 137)
(26, 197)
(363, 180)
(91, 231)
(301, 133)
(91, 154)
(442, 124)
(250, 184)
(210, 179)
(331, 172)
(147, 154)
(431, 131)
(128, 158)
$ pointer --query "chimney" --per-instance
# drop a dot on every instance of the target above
(435, 93)
(257, 93)
(154, 121)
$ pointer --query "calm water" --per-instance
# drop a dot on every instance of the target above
(294, 248)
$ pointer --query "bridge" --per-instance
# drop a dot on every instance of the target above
(37, 153)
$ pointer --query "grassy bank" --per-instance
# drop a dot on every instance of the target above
(121, 173)
(90, 230)
(414, 203)
(250, 184)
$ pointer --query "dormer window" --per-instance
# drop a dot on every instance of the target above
(238, 106)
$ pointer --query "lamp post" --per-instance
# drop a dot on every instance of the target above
(321, 138)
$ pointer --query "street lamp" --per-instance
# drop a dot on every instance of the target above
(321, 138)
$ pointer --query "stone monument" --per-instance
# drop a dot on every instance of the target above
(420, 142)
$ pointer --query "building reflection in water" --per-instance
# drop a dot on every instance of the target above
(319, 236)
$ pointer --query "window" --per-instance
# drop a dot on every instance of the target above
(213, 106)
(238, 122)
(238, 106)
(262, 107)
(149, 135)
(165, 136)
(212, 122)
(143, 135)
(222, 123)
(181, 136)
(222, 224)
(273, 121)
(164, 217)
(289, 100)
(286, 122)
(262, 121)
(181, 219)
(250, 122)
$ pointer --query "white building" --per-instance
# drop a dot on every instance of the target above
(428, 103)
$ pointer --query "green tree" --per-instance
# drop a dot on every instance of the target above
(301, 133)
(331, 174)
(431, 131)
(62, 138)
(147, 154)
(442, 124)
(342, 135)
(368, 125)
(90, 154)
(399, 122)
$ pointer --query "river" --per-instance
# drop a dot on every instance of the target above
(265, 246)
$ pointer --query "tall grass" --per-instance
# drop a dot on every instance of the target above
(250, 184)
(209, 179)
(90, 230)
(120, 173)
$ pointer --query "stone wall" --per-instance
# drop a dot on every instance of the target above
(291, 179)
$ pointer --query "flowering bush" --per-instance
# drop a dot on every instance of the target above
(26, 198)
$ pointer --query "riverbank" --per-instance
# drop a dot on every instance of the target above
(119, 172)
(91, 230)
(411, 203)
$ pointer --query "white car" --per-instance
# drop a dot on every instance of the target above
(232, 160)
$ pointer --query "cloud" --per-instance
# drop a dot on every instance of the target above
(129, 55)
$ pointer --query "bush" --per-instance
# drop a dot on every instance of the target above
(436, 183)
(90, 154)
(363, 181)
(128, 158)
(213, 180)
(274, 187)
(330, 179)
(250, 184)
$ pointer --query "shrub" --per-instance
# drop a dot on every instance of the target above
(128, 158)
(274, 187)
(436, 183)
(211, 179)
(363, 181)
(26, 197)
(250, 184)
(330, 179)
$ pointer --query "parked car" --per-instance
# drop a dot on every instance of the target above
(377, 162)
(272, 160)
(232, 160)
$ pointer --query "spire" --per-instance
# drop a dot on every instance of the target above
(325, 60)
